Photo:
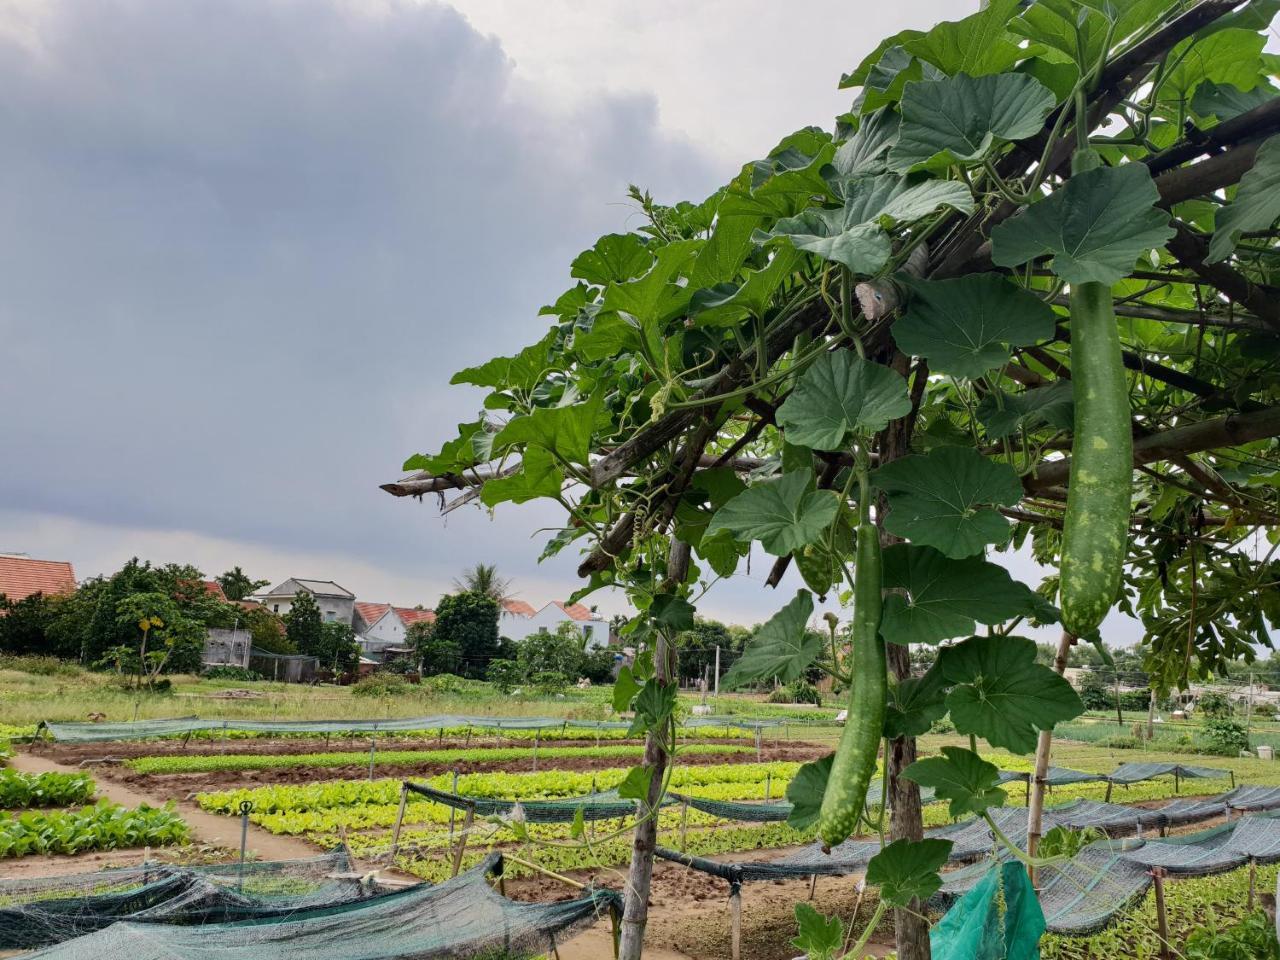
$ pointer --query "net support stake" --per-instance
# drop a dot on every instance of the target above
(1253, 882)
(735, 920)
(395, 833)
(373, 750)
(453, 811)
(813, 887)
(759, 745)
(462, 840)
(684, 826)
(1162, 918)
(768, 785)
(537, 739)
(467, 745)
(1177, 780)
(1107, 798)
(246, 807)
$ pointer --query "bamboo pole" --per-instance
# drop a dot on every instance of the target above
(1035, 809)
(395, 833)
(462, 840)
(735, 920)
(1162, 917)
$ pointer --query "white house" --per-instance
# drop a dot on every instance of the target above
(519, 620)
(335, 602)
(380, 626)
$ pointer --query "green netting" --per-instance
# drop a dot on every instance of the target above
(1079, 896)
(184, 726)
(998, 919)
(49, 910)
(1112, 818)
(602, 805)
(1128, 773)
(755, 812)
(1216, 850)
(1253, 798)
(461, 918)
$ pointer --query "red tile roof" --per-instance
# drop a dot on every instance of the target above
(519, 608)
(575, 611)
(371, 613)
(21, 577)
(409, 616)
(215, 588)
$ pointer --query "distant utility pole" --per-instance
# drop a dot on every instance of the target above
(1151, 716)
(1119, 714)
(717, 669)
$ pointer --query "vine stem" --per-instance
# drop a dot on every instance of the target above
(855, 952)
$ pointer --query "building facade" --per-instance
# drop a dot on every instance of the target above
(335, 602)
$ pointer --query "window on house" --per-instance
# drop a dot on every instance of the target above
(275, 608)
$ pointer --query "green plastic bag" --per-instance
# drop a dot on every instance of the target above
(999, 919)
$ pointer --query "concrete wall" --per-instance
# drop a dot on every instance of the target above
(227, 648)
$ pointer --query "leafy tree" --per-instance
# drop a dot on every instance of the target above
(698, 648)
(337, 648)
(267, 630)
(236, 584)
(25, 624)
(304, 628)
(559, 653)
(1214, 704)
(483, 579)
(469, 621)
(435, 652)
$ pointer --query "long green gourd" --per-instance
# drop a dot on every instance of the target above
(854, 763)
(1095, 533)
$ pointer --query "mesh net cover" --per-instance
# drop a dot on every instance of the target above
(463, 917)
(602, 805)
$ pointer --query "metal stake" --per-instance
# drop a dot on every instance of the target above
(735, 920)
(246, 808)
(395, 833)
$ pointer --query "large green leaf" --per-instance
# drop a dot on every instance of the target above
(521, 372)
(978, 44)
(539, 476)
(615, 258)
(1095, 227)
(1002, 694)
(725, 304)
(853, 234)
(907, 870)
(820, 937)
(728, 247)
(783, 648)
(964, 327)
(1256, 205)
(654, 298)
(1004, 413)
(565, 431)
(914, 704)
(935, 598)
(1225, 56)
(858, 75)
(1226, 102)
(867, 151)
(805, 792)
(783, 514)
(839, 394)
(961, 776)
(961, 118)
(943, 499)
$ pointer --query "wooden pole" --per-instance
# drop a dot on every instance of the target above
(373, 752)
(1044, 746)
(768, 785)
(537, 738)
(1253, 882)
(1107, 798)
(813, 886)
(684, 825)
(453, 811)
(395, 833)
(462, 840)
(1151, 716)
(1162, 918)
(735, 920)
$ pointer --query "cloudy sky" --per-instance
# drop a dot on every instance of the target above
(244, 244)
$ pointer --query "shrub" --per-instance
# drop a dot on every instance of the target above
(1214, 705)
(503, 674)
(232, 673)
(1264, 710)
(380, 684)
(1254, 938)
(451, 683)
(798, 691)
(1224, 736)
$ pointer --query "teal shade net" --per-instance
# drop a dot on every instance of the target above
(46, 910)
(1135, 772)
(998, 919)
(461, 918)
(184, 726)
(603, 805)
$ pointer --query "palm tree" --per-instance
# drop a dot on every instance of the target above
(237, 585)
(483, 578)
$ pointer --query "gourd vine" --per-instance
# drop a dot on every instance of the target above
(1021, 296)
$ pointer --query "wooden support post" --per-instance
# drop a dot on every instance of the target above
(759, 745)
(1162, 918)
(373, 751)
(395, 833)
(1107, 798)
(1233, 778)
(462, 841)
(1253, 882)
(735, 920)
(537, 739)
(453, 811)
(1177, 781)
(684, 825)
(1035, 808)
(813, 886)
(467, 743)
(768, 785)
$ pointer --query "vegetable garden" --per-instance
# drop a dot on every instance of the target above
(1021, 297)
